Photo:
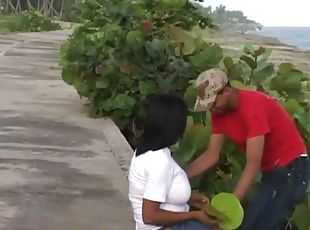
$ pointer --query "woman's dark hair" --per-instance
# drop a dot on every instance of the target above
(166, 117)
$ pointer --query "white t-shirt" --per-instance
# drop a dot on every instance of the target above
(155, 176)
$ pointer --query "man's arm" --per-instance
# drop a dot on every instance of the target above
(208, 158)
(254, 153)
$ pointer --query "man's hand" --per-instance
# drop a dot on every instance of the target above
(254, 153)
(198, 200)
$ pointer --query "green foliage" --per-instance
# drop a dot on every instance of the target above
(3, 24)
(30, 21)
(125, 51)
(301, 215)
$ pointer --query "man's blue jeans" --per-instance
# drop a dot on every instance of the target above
(190, 225)
(281, 189)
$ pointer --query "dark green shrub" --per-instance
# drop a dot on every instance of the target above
(30, 21)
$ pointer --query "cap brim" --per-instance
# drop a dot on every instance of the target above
(204, 105)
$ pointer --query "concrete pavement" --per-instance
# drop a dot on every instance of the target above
(59, 169)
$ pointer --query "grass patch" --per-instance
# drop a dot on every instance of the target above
(27, 21)
(3, 24)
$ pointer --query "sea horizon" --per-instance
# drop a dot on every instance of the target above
(298, 36)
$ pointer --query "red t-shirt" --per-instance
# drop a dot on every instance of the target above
(258, 114)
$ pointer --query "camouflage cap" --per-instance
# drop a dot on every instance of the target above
(208, 84)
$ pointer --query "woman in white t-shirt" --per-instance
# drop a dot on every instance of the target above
(159, 189)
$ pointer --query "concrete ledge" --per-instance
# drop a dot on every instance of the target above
(118, 144)
(112, 135)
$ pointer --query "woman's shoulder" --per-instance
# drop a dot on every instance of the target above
(158, 158)
(160, 154)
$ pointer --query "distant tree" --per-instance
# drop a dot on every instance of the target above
(68, 9)
(220, 14)
(233, 20)
(72, 11)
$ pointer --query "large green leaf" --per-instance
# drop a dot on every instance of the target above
(179, 65)
(126, 67)
(293, 107)
(126, 81)
(207, 183)
(225, 184)
(228, 62)
(293, 83)
(304, 120)
(185, 39)
(250, 61)
(277, 84)
(84, 89)
(134, 37)
(120, 118)
(209, 58)
(195, 182)
(174, 3)
(236, 72)
(102, 82)
(214, 54)
(165, 84)
(236, 167)
(137, 9)
(285, 68)
(77, 82)
(248, 48)
(265, 55)
(68, 75)
(123, 101)
(263, 74)
(147, 87)
(229, 205)
(190, 97)
(301, 217)
(198, 117)
(237, 84)
(195, 141)
(106, 105)
(155, 47)
(241, 85)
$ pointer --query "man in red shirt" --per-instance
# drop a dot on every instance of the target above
(261, 127)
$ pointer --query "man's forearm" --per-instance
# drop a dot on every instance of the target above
(200, 165)
(248, 175)
(254, 153)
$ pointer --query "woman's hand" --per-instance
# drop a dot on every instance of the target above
(203, 218)
(198, 200)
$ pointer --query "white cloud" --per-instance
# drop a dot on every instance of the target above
(270, 12)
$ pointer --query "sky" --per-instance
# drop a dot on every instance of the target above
(270, 12)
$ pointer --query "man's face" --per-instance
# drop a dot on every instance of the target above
(221, 103)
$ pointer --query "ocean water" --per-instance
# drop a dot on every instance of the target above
(295, 36)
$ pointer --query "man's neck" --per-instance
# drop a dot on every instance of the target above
(234, 99)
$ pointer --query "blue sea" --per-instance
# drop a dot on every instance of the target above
(295, 36)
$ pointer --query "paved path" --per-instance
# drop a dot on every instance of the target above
(59, 169)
